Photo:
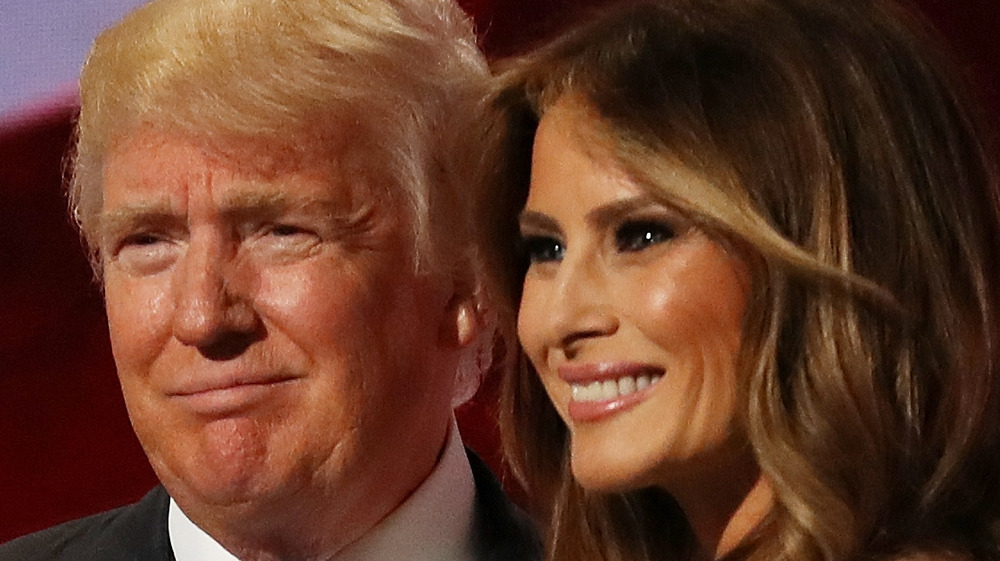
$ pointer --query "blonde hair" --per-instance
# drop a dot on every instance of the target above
(845, 163)
(286, 74)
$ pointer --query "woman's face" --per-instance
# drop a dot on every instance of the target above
(630, 315)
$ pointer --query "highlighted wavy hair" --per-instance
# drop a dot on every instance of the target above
(846, 163)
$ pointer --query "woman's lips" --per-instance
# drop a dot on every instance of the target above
(603, 389)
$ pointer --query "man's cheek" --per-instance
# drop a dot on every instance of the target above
(139, 316)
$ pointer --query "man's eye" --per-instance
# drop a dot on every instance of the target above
(140, 244)
(542, 249)
(284, 242)
(287, 235)
(143, 239)
(144, 253)
(637, 236)
(285, 230)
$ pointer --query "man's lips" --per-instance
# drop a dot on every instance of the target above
(228, 382)
(605, 388)
(225, 395)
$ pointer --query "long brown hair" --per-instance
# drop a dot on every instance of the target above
(848, 166)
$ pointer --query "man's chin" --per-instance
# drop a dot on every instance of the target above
(224, 484)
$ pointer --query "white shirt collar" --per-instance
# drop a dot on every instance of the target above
(191, 543)
(433, 524)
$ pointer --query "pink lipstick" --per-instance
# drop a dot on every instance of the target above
(603, 389)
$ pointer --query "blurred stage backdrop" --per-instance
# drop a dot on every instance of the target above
(66, 447)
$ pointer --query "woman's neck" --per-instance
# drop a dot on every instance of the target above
(724, 513)
(747, 517)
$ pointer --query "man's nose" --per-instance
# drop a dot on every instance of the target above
(582, 306)
(212, 310)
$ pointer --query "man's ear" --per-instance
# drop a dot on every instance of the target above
(463, 321)
(470, 332)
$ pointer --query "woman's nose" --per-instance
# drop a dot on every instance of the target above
(211, 311)
(582, 306)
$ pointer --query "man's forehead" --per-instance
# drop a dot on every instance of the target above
(156, 176)
(163, 155)
(257, 155)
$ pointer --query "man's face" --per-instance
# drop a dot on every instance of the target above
(274, 343)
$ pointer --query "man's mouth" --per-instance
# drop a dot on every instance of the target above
(230, 395)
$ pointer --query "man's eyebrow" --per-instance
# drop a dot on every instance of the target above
(255, 204)
(241, 206)
(266, 206)
(112, 224)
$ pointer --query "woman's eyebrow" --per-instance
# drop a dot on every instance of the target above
(611, 213)
(534, 220)
(603, 216)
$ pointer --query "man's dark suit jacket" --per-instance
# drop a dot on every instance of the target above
(139, 532)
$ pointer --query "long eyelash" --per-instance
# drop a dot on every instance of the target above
(525, 243)
(529, 245)
(638, 235)
(668, 230)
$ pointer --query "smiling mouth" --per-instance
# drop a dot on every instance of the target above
(600, 390)
(607, 390)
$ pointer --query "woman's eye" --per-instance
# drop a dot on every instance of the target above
(636, 236)
(542, 249)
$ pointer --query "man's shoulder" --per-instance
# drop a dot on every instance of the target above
(503, 531)
(134, 532)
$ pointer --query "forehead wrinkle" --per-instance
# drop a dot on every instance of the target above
(163, 207)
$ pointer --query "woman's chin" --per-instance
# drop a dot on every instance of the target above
(607, 477)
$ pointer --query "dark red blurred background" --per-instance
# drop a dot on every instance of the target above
(66, 447)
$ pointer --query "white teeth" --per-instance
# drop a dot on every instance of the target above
(609, 389)
(626, 385)
(612, 389)
(589, 392)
